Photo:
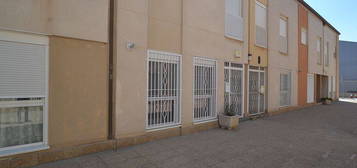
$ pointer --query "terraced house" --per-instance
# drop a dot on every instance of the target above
(83, 76)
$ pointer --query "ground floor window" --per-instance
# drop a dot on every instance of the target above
(23, 95)
(233, 94)
(164, 80)
(285, 89)
(204, 89)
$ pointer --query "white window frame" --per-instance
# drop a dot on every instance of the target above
(239, 20)
(259, 70)
(19, 37)
(304, 36)
(160, 56)
(289, 91)
(205, 62)
(284, 34)
(257, 3)
(318, 50)
(327, 53)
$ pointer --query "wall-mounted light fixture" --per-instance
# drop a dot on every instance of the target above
(130, 45)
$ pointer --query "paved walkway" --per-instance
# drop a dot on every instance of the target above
(320, 136)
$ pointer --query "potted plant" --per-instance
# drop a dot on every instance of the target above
(326, 101)
(229, 120)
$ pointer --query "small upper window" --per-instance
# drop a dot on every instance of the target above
(304, 36)
(283, 27)
(283, 35)
(318, 50)
(234, 23)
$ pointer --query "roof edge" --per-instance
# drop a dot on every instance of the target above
(324, 21)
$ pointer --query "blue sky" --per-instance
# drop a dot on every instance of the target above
(342, 14)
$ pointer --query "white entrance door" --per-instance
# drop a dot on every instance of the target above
(310, 88)
(233, 95)
(256, 90)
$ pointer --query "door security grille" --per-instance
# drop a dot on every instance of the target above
(256, 90)
(233, 94)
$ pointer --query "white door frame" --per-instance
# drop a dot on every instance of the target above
(248, 92)
(243, 83)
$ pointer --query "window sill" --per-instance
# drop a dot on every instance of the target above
(283, 53)
(261, 46)
(197, 122)
(234, 38)
(23, 149)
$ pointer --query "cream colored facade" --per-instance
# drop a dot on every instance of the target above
(189, 28)
(278, 61)
(77, 37)
(316, 33)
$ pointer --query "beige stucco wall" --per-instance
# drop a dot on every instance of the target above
(204, 36)
(315, 32)
(254, 50)
(332, 69)
(132, 26)
(24, 15)
(164, 29)
(161, 25)
(330, 37)
(78, 92)
(277, 61)
(82, 19)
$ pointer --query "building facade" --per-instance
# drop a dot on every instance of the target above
(83, 76)
(348, 79)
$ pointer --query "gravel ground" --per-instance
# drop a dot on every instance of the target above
(315, 137)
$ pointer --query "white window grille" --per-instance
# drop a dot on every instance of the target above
(204, 89)
(303, 36)
(233, 94)
(261, 24)
(164, 82)
(23, 94)
(234, 24)
(256, 104)
(285, 89)
(283, 35)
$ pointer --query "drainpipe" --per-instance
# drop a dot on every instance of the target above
(111, 96)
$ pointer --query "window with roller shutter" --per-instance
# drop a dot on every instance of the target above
(234, 22)
(260, 25)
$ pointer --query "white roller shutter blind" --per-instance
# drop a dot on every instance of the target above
(22, 70)
(283, 35)
(234, 23)
(283, 27)
(261, 24)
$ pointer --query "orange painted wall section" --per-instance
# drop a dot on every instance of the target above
(303, 58)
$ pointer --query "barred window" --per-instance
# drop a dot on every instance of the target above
(285, 89)
(163, 89)
(204, 89)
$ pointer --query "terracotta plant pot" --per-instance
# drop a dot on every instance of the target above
(228, 122)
